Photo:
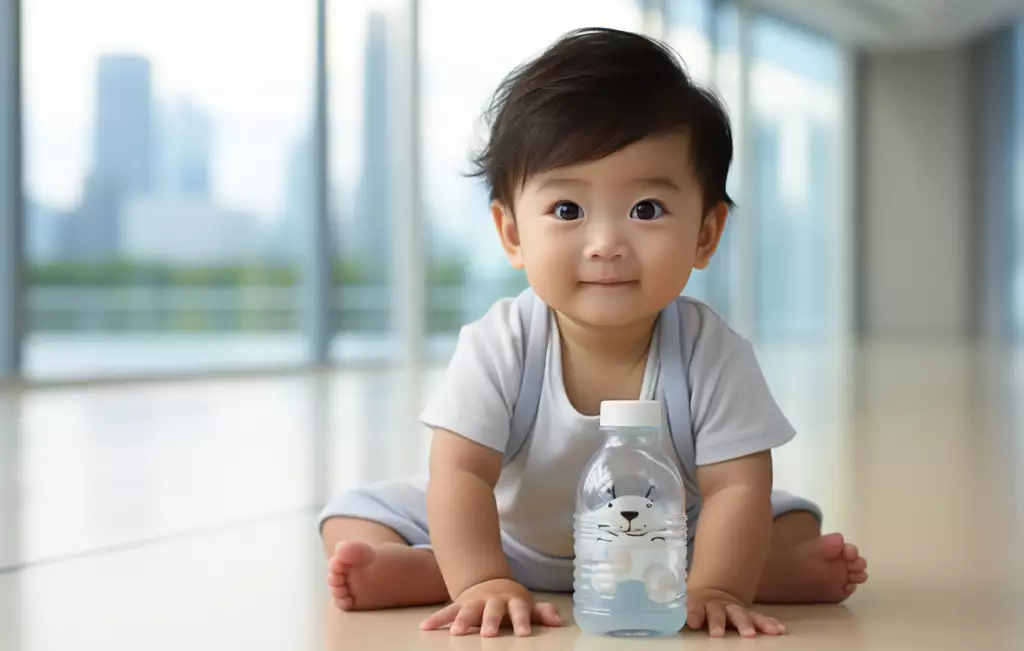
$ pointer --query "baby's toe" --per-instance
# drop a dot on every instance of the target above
(336, 579)
(345, 604)
(857, 566)
(340, 592)
(850, 552)
(850, 589)
(859, 577)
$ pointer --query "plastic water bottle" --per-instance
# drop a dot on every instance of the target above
(630, 529)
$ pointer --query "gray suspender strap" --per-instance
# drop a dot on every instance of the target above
(675, 388)
(533, 317)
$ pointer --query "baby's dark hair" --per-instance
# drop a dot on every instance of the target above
(592, 93)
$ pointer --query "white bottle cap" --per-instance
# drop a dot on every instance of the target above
(631, 413)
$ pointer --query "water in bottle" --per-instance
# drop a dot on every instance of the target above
(630, 529)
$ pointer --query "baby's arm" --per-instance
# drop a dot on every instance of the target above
(732, 542)
(466, 537)
(462, 512)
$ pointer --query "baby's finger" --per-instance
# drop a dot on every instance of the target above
(695, 618)
(494, 613)
(716, 620)
(441, 618)
(740, 618)
(767, 625)
(546, 614)
(519, 614)
(468, 617)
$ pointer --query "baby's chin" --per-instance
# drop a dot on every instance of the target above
(608, 314)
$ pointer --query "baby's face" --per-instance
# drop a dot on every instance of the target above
(613, 241)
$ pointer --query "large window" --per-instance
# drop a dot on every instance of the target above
(172, 171)
(795, 100)
(466, 268)
(166, 143)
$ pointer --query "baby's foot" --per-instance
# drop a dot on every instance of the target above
(370, 577)
(826, 569)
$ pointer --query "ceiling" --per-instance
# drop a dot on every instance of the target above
(897, 24)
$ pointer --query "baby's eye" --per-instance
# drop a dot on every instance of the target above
(568, 211)
(647, 210)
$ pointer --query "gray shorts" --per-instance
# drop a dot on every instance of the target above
(403, 507)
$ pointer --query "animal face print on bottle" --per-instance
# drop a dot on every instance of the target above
(630, 519)
(631, 541)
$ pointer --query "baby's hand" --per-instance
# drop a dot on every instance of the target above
(718, 609)
(491, 604)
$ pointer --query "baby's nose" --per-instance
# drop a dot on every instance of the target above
(629, 515)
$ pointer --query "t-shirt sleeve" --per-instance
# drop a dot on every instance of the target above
(734, 414)
(481, 383)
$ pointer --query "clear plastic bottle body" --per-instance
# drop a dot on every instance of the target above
(630, 538)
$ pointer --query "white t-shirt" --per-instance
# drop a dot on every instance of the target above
(732, 410)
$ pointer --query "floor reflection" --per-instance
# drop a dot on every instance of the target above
(181, 515)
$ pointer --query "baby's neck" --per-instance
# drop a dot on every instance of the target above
(615, 344)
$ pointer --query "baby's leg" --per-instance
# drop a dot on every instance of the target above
(372, 567)
(807, 567)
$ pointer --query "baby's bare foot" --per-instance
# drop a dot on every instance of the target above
(362, 576)
(826, 569)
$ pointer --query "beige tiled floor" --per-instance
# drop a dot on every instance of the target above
(179, 516)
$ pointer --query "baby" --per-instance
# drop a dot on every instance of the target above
(607, 167)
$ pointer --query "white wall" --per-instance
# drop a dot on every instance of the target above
(916, 263)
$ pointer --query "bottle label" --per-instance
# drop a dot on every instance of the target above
(634, 538)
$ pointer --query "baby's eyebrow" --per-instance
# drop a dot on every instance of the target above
(663, 182)
(658, 182)
(556, 182)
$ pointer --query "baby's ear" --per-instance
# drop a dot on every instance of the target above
(508, 231)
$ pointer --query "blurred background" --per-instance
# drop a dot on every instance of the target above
(235, 184)
(237, 245)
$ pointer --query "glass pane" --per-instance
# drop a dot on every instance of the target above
(714, 285)
(467, 270)
(690, 34)
(165, 182)
(689, 24)
(796, 102)
(361, 78)
(1017, 217)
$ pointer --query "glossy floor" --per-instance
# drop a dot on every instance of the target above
(180, 516)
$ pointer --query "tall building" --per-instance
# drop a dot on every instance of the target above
(122, 155)
(290, 238)
(185, 148)
(123, 141)
(370, 227)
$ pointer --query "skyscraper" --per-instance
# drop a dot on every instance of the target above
(124, 122)
(371, 224)
(122, 155)
(185, 144)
